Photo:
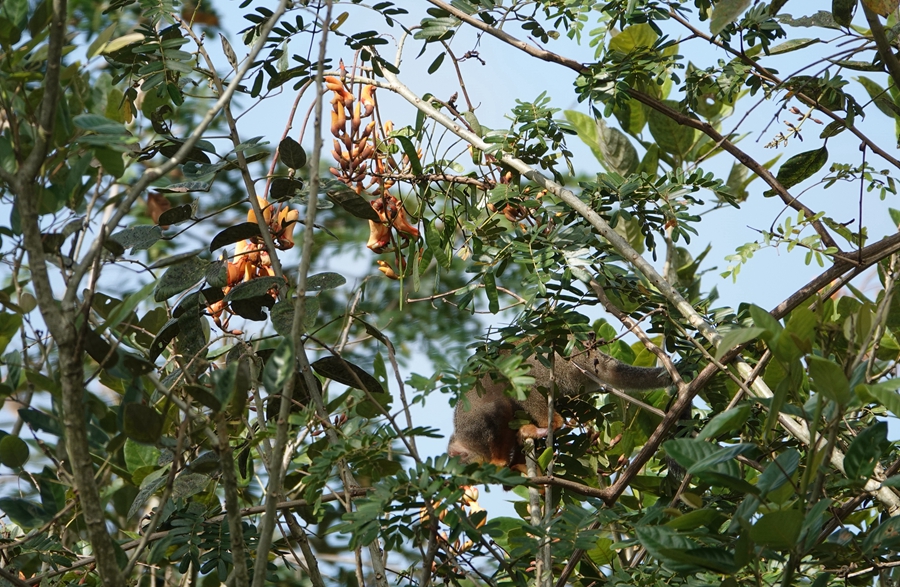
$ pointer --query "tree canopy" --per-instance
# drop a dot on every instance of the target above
(195, 393)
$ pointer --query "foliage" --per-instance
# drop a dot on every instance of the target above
(201, 392)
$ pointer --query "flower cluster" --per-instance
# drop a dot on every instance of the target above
(251, 259)
(360, 157)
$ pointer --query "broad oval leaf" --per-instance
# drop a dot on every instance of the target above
(180, 277)
(323, 281)
(138, 238)
(13, 451)
(800, 167)
(863, 454)
(282, 315)
(349, 200)
(142, 423)
(673, 138)
(234, 234)
(829, 379)
(253, 288)
(188, 484)
(778, 529)
(291, 153)
(881, 7)
(284, 188)
(177, 214)
(347, 373)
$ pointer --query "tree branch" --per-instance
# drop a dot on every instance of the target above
(885, 51)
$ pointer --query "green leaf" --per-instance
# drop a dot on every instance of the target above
(636, 36)
(166, 334)
(885, 393)
(410, 150)
(778, 472)
(9, 328)
(224, 381)
(842, 11)
(13, 451)
(672, 137)
(323, 281)
(885, 537)
(661, 541)
(737, 336)
(763, 319)
(148, 488)
(234, 234)
(864, 452)
(203, 396)
(779, 530)
(291, 153)
(142, 423)
(490, 290)
(284, 188)
(690, 453)
(728, 421)
(726, 12)
(470, 117)
(433, 240)
(99, 124)
(343, 371)
(618, 154)
(188, 484)
(707, 557)
(436, 64)
(279, 367)
(694, 519)
(587, 131)
(880, 97)
(349, 200)
(180, 277)
(184, 187)
(282, 315)
(138, 238)
(792, 45)
(800, 167)
(24, 513)
(177, 214)
(830, 379)
(139, 455)
(722, 455)
(253, 288)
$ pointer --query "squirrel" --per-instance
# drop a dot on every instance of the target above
(482, 419)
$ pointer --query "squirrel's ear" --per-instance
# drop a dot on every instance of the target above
(456, 449)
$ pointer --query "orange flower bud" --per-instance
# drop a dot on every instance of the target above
(338, 121)
(356, 120)
(367, 97)
(385, 268)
